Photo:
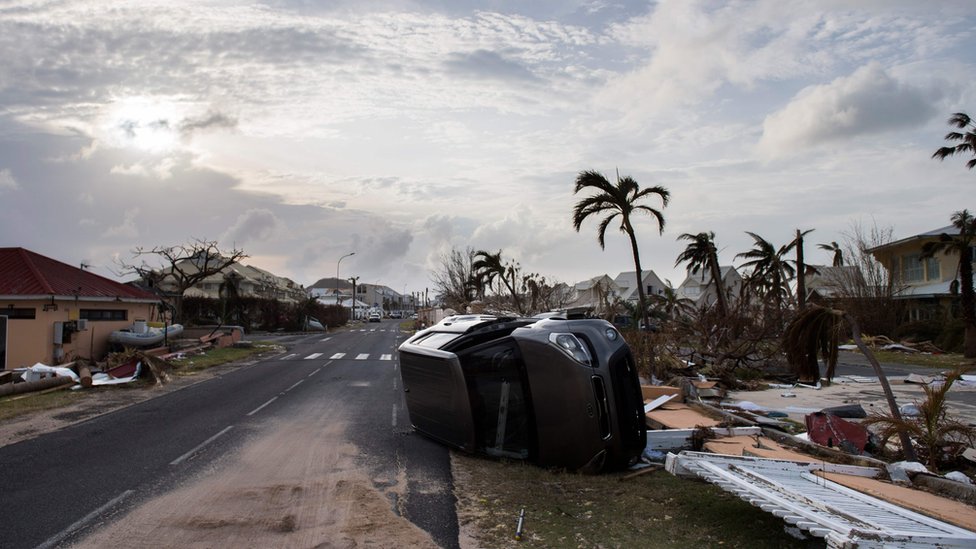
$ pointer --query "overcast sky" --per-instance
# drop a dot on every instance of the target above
(300, 131)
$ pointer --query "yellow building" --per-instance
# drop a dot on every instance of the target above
(52, 312)
(929, 286)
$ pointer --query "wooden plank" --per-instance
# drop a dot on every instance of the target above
(673, 439)
(657, 402)
(669, 417)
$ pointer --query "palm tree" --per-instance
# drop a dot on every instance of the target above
(671, 303)
(771, 271)
(835, 248)
(489, 267)
(701, 254)
(816, 330)
(962, 121)
(961, 244)
(801, 269)
(620, 200)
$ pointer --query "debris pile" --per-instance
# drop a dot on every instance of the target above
(118, 368)
(819, 474)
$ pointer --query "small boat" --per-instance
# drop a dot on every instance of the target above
(142, 335)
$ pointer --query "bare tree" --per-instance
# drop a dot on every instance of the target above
(453, 278)
(181, 266)
(864, 286)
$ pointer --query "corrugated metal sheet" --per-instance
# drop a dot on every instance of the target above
(844, 517)
(26, 273)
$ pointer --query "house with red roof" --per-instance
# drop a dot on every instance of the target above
(52, 312)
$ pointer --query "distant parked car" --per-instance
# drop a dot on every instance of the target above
(396, 314)
(559, 393)
(375, 317)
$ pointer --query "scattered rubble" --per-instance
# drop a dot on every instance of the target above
(118, 368)
(825, 481)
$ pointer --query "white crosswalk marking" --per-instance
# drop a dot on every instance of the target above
(324, 340)
(313, 356)
(286, 357)
(362, 356)
(386, 357)
(337, 356)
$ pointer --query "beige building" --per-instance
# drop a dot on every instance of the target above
(698, 287)
(52, 313)
(929, 286)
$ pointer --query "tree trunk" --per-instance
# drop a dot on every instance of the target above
(906, 441)
(968, 302)
(642, 298)
(801, 283)
(723, 308)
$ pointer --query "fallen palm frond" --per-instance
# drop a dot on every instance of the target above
(938, 438)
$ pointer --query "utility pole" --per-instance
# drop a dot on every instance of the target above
(353, 312)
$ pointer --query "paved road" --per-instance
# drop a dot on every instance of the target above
(57, 488)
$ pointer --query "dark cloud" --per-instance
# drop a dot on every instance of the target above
(484, 64)
(209, 120)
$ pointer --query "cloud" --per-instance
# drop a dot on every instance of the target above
(488, 65)
(870, 101)
(128, 228)
(7, 181)
(253, 225)
(210, 120)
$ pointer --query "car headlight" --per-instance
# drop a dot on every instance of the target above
(569, 344)
(612, 334)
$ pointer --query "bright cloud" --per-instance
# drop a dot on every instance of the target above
(864, 103)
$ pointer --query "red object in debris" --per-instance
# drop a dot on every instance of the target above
(834, 432)
(126, 369)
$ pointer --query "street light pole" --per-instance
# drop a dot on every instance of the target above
(337, 275)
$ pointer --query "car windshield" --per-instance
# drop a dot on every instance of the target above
(499, 400)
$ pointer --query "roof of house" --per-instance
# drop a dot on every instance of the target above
(26, 273)
(934, 233)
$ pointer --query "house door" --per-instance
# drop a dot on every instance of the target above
(3, 342)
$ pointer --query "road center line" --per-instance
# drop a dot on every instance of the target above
(258, 409)
(300, 381)
(185, 456)
(313, 373)
(394, 416)
(56, 540)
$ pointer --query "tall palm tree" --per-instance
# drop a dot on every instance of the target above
(620, 200)
(801, 269)
(961, 244)
(967, 140)
(834, 247)
(771, 270)
(701, 254)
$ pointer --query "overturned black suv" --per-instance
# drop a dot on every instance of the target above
(559, 393)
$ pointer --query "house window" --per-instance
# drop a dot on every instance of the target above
(650, 290)
(911, 269)
(932, 271)
(22, 313)
(104, 314)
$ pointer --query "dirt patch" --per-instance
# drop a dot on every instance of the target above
(300, 483)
